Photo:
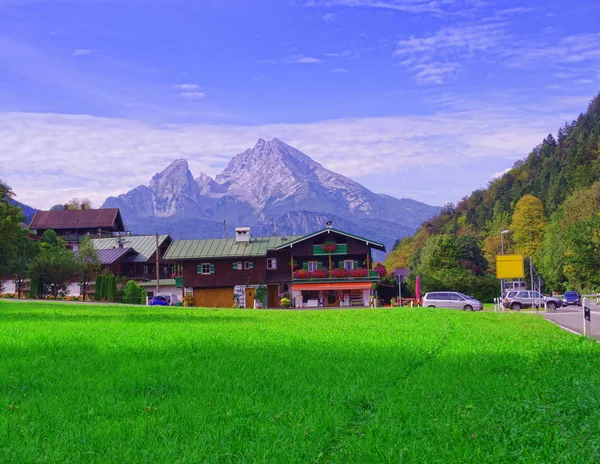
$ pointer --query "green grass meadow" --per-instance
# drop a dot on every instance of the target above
(83, 383)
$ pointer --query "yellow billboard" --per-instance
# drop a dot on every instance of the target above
(510, 267)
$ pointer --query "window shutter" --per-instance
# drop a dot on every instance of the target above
(212, 268)
(199, 269)
(251, 265)
(319, 265)
(234, 265)
(305, 266)
(356, 264)
(341, 264)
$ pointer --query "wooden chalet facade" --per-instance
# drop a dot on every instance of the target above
(72, 225)
(226, 272)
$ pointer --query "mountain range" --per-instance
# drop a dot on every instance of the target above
(274, 189)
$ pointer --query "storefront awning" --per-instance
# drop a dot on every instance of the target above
(334, 286)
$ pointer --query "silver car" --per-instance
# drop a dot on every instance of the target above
(452, 300)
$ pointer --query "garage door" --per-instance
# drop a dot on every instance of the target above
(214, 297)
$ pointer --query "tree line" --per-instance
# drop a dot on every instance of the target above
(550, 205)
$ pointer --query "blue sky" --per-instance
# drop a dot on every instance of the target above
(423, 99)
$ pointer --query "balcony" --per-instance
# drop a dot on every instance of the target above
(342, 249)
(337, 275)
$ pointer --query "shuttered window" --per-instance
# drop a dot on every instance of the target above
(205, 268)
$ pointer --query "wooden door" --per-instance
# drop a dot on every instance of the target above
(273, 296)
(213, 297)
(331, 298)
(250, 297)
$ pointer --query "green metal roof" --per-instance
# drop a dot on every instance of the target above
(144, 245)
(373, 243)
(224, 247)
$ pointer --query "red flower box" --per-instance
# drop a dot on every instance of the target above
(329, 247)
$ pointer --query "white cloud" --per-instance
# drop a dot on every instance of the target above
(435, 58)
(82, 52)
(193, 95)
(499, 174)
(411, 6)
(339, 70)
(98, 157)
(583, 81)
(329, 17)
(187, 87)
(301, 59)
(583, 49)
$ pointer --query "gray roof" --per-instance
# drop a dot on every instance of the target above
(144, 245)
(111, 255)
(224, 247)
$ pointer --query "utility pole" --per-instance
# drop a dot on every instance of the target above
(502, 248)
(157, 268)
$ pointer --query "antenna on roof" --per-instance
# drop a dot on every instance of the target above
(329, 224)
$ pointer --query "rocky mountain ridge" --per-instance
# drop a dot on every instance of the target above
(273, 188)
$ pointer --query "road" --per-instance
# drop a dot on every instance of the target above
(571, 317)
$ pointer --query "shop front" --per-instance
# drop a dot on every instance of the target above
(331, 295)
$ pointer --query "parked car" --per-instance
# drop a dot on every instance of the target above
(571, 298)
(527, 299)
(170, 297)
(158, 301)
(452, 300)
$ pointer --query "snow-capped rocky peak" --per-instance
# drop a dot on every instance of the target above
(172, 187)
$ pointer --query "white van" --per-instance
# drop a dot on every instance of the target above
(451, 300)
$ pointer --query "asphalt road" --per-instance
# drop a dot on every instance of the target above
(571, 317)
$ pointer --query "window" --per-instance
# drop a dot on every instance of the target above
(237, 266)
(271, 263)
(312, 266)
(348, 264)
(523, 295)
(205, 268)
(248, 265)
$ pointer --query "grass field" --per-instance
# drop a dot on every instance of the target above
(124, 384)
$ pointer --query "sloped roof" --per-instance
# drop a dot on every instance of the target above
(144, 245)
(78, 219)
(112, 255)
(372, 243)
(223, 247)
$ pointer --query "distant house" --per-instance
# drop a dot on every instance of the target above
(134, 256)
(72, 225)
(223, 271)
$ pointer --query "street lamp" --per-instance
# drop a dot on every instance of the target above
(502, 238)
(502, 248)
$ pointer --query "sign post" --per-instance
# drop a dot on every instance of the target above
(587, 315)
(509, 267)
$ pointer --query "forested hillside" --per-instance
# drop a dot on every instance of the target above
(550, 203)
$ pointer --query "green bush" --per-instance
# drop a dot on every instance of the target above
(111, 288)
(134, 294)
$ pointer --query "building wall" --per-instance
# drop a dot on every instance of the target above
(225, 275)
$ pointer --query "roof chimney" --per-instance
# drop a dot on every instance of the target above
(242, 235)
